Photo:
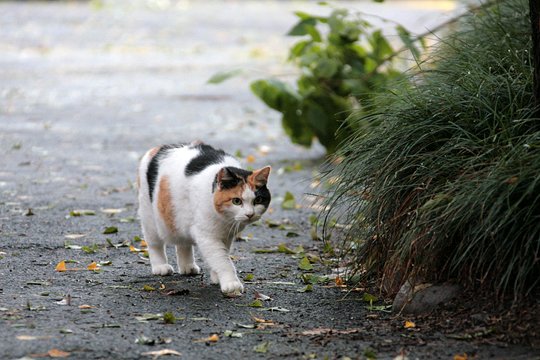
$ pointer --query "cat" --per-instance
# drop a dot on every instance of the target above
(196, 195)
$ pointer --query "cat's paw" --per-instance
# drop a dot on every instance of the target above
(214, 279)
(232, 288)
(191, 269)
(163, 270)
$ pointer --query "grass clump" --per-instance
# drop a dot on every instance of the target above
(447, 185)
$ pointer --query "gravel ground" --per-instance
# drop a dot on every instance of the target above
(85, 89)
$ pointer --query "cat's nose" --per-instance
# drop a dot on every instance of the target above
(249, 216)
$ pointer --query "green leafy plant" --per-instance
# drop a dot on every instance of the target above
(344, 62)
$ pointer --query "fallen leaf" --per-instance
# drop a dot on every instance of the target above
(325, 331)
(461, 356)
(339, 281)
(148, 288)
(158, 353)
(275, 308)
(307, 288)
(262, 347)
(169, 318)
(289, 203)
(93, 267)
(55, 353)
(74, 236)
(112, 211)
(110, 230)
(367, 297)
(61, 266)
(75, 213)
(261, 296)
(149, 317)
(249, 277)
(250, 159)
(212, 338)
(409, 324)
(143, 243)
(31, 337)
(85, 306)
(256, 303)
(305, 264)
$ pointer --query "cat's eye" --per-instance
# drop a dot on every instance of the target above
(237, 201)
(258, 200)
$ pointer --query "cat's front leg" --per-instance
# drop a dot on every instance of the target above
(223, 271)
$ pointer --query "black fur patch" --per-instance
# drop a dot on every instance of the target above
(264, 194)
(234, 177)
(153, 166)
(207, 156)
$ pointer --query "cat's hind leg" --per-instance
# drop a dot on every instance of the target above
(156, 252)
(186, 260)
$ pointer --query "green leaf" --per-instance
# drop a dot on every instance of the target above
(289, 203)
(148, 288)
(169, 318)
(305, 265)
(90, 249)
(256, 304)
(367, 297)
(282, 248)
(249, 277)
(221, 76)
(262, 347)
(110, 230)
(380, 46)
(276, 94)
(307, 288)
(301, 28)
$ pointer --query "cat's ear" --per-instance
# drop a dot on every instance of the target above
(225, 175)
(260, 177)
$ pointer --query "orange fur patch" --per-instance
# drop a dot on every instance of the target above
(165, 205)
(223, 198)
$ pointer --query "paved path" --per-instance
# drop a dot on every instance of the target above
(84, 91)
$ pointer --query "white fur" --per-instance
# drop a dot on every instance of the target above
(196, 219)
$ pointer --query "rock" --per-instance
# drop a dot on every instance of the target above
(423, 298)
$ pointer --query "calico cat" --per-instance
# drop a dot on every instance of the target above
(193, 194)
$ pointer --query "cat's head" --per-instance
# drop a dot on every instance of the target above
(241, 195)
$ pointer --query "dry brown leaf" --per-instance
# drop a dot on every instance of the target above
(93, 266)
(328, 331)
(55, 353)
(250, 159)
(61, 266)
(158, 353)
(461, 356)
(211, 338)
(339, 281)
(409, 324)
(85, 306)
(143, 243)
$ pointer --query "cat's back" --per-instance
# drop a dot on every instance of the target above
(185, 167)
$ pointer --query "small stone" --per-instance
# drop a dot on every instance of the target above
(423, 298)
